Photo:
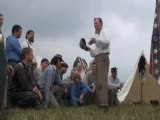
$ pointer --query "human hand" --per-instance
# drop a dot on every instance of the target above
(92, 41)
(81, 98)
(39, 95)
(65, 91)
(93, 89)
(35, 90)
(10, 69)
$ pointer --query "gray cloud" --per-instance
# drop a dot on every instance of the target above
(59, 25)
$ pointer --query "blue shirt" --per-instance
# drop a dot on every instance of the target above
(49, 77)
(13, 48)
(76, 90)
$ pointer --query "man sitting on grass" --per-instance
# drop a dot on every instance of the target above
(113, 86)
(51, 84)
(23, 88)
(90, 79)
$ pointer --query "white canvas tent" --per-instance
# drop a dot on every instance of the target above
(131, 91)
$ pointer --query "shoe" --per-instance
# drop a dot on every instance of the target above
(104, 108)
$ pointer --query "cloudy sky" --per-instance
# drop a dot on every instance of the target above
(59, 24)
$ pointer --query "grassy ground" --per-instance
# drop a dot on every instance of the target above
(122, 112)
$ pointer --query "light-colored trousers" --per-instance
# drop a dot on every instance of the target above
(102, 67)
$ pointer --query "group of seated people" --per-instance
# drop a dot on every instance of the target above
(35, 87)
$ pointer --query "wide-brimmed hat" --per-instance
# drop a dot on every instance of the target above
(58, 56)
(82, 43)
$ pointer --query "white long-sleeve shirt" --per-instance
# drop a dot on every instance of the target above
(113, 83)
(102, 44)
(27, 44)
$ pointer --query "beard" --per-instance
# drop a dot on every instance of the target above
(31, 39)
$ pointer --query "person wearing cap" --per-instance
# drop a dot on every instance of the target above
(101, 55)
(38, 71)
(50, 82)
(63, 69)
(113, 86)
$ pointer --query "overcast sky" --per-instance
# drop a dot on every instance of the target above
(59, 24)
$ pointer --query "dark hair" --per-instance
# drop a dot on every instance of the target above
(28, 32)
(16, 28)
(44, 60)
(114, 69)
(93, 63)
(1, 14)
(63, 64)
(25, 51)
(56, 58)
(100, 20)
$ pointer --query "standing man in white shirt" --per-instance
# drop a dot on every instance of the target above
(29, 42)
(101, 54)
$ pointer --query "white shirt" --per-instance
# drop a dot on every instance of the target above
(102, 44)
(113, 83)
(90, 78)
(37, 73)
(27, 44)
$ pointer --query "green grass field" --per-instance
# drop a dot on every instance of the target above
(121, 112)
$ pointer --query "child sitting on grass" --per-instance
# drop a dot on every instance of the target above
(78, 91)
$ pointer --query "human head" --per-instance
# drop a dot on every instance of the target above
(56, 60)
(79, 67)
(30, 36)
(64, 67)
(27, 54)
(114, 72)
(17, 31)
(1, 20)
(72, 74)
(93, 67)
(77, 78)
(98, 24)
(44, 63)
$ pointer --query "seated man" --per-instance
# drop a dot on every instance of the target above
(38, 71)
(50, 83)
(113, 86)
(78, 91)
(90, 80)
(23, 89)
(63, 69)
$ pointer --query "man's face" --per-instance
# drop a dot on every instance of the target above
(1, 21)
(97, 25)
(114, 74)
(94, 68)
(30, 56)
(44, 64)
(58, 64)
(18, 33)
(63, 69)
(30, 37)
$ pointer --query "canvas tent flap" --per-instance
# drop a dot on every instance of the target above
(131, 91)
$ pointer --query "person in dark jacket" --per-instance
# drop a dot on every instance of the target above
(23, 88)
